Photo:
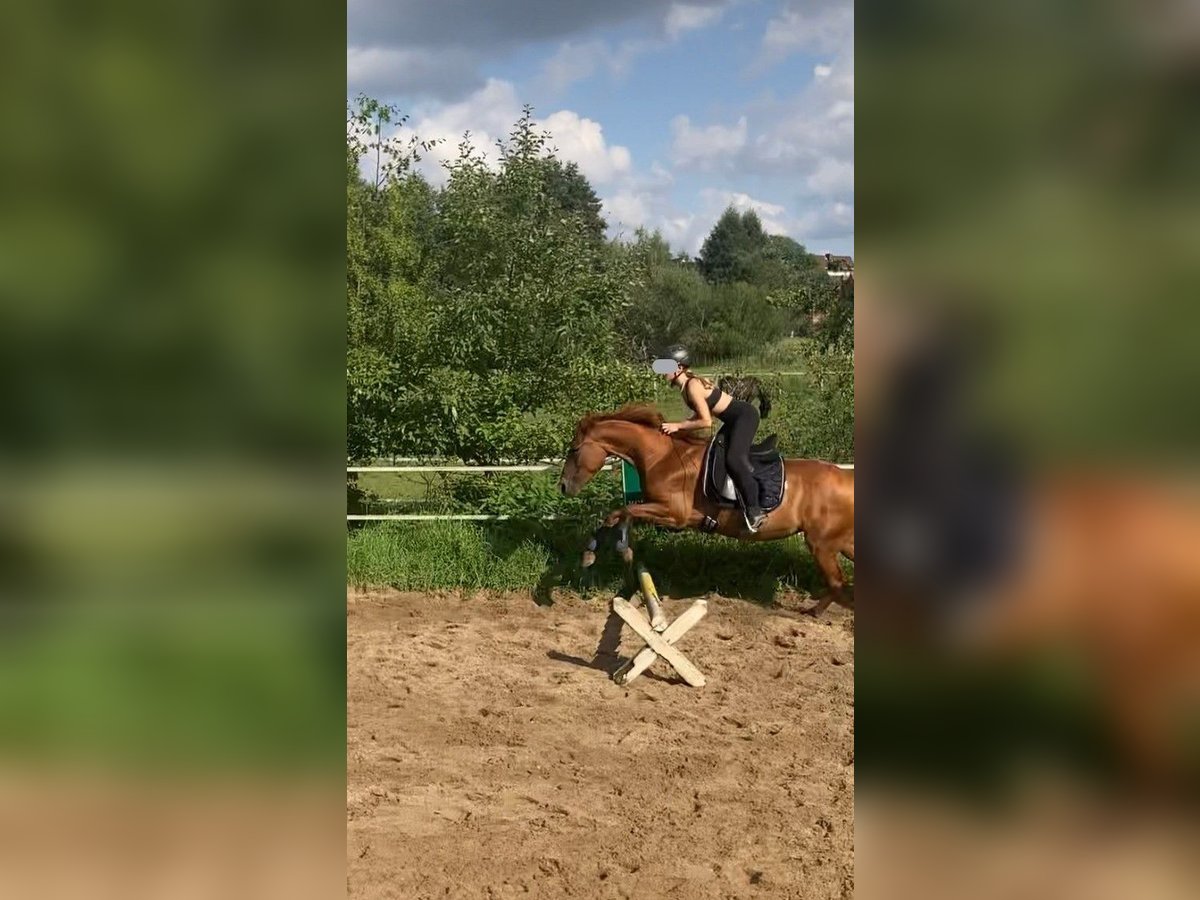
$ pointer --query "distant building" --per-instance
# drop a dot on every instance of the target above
(837, 266)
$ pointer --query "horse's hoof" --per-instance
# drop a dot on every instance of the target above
(589, 559)
(627, 555)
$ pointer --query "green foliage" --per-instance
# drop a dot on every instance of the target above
(819, 306)
(445, 288)
(813, 412)
(780, 262)
(820, 423)
(733, 247)
(572, 195)
(675, 303)
(739, 322)
(485, 317)
(534, 497)
(738, 250)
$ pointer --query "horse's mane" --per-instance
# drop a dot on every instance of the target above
(637, 414)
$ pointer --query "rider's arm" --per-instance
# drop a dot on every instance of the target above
(701, 417)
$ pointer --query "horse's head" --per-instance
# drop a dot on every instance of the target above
(598, 436)
(584, 459)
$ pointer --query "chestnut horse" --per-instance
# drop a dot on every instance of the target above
(819, 499)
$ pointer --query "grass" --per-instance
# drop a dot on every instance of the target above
(397, 485)
(540, 557)
(787, 354)
(439, 555)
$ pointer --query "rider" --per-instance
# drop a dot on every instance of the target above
(706, 401)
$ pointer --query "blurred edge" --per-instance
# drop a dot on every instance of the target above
(172, 700)
(1028, 662)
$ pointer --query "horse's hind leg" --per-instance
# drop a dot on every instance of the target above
(826, 553)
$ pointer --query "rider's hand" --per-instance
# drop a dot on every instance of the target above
(670, 427)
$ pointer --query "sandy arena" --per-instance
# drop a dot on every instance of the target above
(490, 756)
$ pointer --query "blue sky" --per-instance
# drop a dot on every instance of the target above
(673, 110)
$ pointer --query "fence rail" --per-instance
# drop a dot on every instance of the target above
(467, 517)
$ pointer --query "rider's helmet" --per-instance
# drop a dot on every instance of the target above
(680, 354)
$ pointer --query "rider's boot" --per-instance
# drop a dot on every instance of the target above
(754, 518)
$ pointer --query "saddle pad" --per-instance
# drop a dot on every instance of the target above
(768, 472)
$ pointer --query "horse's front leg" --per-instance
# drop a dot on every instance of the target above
(654, 513)
(589, 553)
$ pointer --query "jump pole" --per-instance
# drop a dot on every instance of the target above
(659, 645)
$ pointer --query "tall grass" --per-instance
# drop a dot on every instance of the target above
(541, 556)
(437, 555)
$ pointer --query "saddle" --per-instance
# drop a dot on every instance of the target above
(765, 462)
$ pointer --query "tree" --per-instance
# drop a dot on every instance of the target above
(482, 320)
(388, 220)
(571, 192)
(780, 262)
(733, 248)
(821, 307)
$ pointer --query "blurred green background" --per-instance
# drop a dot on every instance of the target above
(172, 346)
(1028, 170)
(1038, 162)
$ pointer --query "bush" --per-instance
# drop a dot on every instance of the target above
(482, 317)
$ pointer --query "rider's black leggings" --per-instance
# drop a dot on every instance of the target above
(741, 423)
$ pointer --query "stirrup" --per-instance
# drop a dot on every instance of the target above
(753, 527)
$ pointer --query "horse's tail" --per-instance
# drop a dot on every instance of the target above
(764, 400)
(747, 388)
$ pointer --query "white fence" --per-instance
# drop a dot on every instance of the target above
(467, 517)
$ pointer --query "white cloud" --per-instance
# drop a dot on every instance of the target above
(582, 141)
(832, 178)
(818, 224)
(489, 114)
(378, 70)
(448, 41)
(797, 150)
(815, 127)
(488, 24)
(661, 174)
(808, 137)
(574, 62)
(774, 217)
(830, 224)
(706, 146)
(643, 199)
(628, 210)
(815, 26)
(683, 17)
(686, 230)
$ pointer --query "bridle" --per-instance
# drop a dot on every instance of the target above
(574, 449)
